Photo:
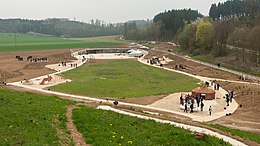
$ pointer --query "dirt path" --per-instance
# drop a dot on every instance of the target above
(76, 136)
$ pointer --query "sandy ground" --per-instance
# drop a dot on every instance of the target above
(247, 116)
(13, 70)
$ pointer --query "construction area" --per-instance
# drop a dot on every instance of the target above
(241, 113)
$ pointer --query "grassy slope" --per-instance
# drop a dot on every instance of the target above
(103, 128)
(28, 118)
(124, 78)
(244, 134)
(32, 42)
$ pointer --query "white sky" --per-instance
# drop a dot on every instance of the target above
(107, 10)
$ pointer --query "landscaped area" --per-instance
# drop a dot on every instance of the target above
(32, 119)
(124, 78)
(101, 127)
(20, 42)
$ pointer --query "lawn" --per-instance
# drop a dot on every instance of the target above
(31, 119)
(108, 128)
(33, 42)
(124, 78)
(244, 134)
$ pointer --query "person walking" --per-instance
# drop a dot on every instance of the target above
(210, 110)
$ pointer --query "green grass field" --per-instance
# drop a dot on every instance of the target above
(108, 128)
(31, 119)
(124, 78)
(33, 42)
(244, 134)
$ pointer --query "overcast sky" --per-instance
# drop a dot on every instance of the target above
(107, 10)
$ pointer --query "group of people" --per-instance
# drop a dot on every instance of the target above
(64, 63)
(190, 101)
(216, 85)
(74, 65)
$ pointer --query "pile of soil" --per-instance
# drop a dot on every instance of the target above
(6, 75)
(35, 65)
(13, 70)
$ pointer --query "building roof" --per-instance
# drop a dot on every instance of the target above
(204, 90)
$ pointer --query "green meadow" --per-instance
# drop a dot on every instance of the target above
(32, 119)
(101, 127)
(124, 79)
(20, 42)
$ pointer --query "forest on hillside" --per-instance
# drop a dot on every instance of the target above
(60, 27)
(232, 30)
(165, 25)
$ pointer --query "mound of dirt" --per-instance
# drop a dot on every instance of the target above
(35, 65)
(56, 58)
(4, 76)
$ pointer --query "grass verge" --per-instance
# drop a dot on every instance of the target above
(101, 127)
(124, 78)
(244, 134)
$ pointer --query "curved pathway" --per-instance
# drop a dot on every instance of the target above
(231, 109)
(194, 117)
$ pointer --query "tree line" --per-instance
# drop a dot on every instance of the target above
(61, 27)
(218, 36)
(165, 25)
(234, 8)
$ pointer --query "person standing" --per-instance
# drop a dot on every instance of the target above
(218, 86)
(181, 98)
(185, 108)
(197, 100)
(191, 108)
(231, 95)
(210, 110)
(201, 106)
(227, 99)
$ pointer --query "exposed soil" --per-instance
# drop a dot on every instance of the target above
(13, 70)
(192, 67)
(247, 116)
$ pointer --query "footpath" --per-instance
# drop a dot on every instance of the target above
(79, 62)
